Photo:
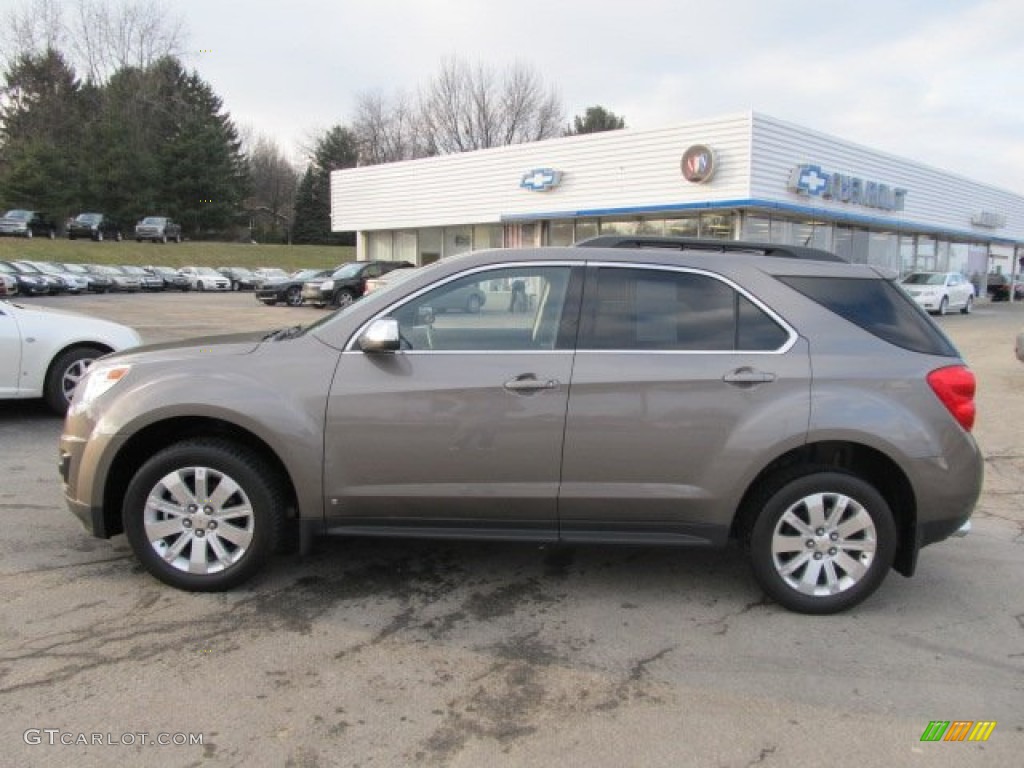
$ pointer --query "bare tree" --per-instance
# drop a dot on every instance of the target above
(106, 37)
(388, 132)
(99, 37)
(466, 108)
(34, 28)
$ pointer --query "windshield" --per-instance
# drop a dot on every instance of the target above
(134, 270)
(208, 271)
(153, 220)
(78, 269)
(349, 270)
(925, 278)
(87, 218)
(108, 270)
(18, 214)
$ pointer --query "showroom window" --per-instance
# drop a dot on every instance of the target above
(685, 226)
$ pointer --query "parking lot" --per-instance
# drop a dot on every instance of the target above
(393, 653)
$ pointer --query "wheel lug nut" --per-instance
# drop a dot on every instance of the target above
(810, 543)
(834, 536)
(208, 510)
(832, 551)
(200, 533)
(820, 532)
(193, 508)
(212, 525)
(817, 555)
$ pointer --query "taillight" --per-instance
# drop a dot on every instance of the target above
(955, 386)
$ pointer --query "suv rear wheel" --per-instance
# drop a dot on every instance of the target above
(824, 541)
(204, 514)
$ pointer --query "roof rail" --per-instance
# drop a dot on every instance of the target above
(705, 244)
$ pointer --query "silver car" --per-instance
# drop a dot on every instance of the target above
(778, 397)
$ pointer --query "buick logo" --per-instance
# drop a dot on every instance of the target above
(698, 164)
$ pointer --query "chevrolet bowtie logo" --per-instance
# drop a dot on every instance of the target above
(540, 179)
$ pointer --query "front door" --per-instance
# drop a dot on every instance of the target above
(464, 425)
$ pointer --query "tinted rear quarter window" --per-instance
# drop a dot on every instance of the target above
(648, 309)
(880, 308)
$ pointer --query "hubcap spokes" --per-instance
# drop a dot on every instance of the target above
(824, 544)
(72, 376)
(199, 520)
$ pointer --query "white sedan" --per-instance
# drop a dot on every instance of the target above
(940, 292)
(44, 352)
(205, 279)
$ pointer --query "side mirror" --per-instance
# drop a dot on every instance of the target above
(381, 336)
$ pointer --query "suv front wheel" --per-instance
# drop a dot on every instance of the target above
(203, 515)
(824, 541)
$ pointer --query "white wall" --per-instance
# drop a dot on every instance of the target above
(630, 171)
(616, 169)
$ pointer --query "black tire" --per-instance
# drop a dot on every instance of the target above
(968, 306)
(343, 298)
(234, 285)
(269, 302)
(70, 236)
(138, 239)
(777, 545)
(63, 376)
(293, 296)
(943, 306)
(200, 286)
(256, 525)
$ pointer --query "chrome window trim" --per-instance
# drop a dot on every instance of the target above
(792, 334)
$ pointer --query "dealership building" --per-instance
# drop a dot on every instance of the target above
(740, 177)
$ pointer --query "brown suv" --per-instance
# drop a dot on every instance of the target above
(775, 396)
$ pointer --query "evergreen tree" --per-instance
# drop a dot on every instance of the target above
(596, 120)
(41, 130)
(336, 149)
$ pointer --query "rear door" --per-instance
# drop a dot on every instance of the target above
(683, 385)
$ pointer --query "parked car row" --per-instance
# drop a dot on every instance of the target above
(21, 222)
(37, 278)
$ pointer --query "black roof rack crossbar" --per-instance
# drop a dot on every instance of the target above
(705, 244)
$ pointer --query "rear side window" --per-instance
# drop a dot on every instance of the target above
(880, 308)
(650, 309)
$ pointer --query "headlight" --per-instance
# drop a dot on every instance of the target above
(327, 285)
(98, 380)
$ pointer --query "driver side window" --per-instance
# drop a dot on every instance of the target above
(511, 308)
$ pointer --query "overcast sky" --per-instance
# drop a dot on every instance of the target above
(937, 81)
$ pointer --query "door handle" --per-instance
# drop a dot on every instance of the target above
(748, 377)
(528, 383)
